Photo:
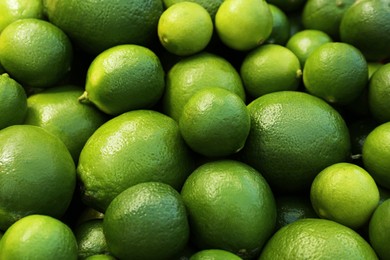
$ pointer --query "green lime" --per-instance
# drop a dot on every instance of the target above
(214, 254)
(379, 94)
(280, 26)
(210, 5)
(90, 238)
(379, 230)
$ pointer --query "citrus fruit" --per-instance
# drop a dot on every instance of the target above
(313, 238)
(288, 6)
(365, 25)
(269, 68)
(291, 208)
(336, 72)
(185, 28)
(38, 237)
(98, 25)
(280, 26)
(372, 67)
(37, 174)
(376, 152)
(325, 15)
(35, 52)
(90, 238)
(345, 193)
(13, 102)
(146, 220)
(12, 10)
(379, 229)
(215, 122)
(100, 257)
(214, 254)
(124, 78)
(210, 5)
(134, 147)
(196, 72)
(304, 42)
(294, 136)
(230, 207)
(379, 94)
(243, 25)
(57, 110)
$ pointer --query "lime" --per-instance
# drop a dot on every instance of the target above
(185, 28)
(35, 52)
(214, 254)
(13, 102)
(379, 230)
(90, 238)
(210, 5)
(146, 220)
(243, 25)
(280, 26)
(379, 94)
(215, 122)
(38, 237)
(134, 147)
(270, 68)
(100, 257)
(230, 207)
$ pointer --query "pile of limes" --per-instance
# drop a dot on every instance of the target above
(198, 129)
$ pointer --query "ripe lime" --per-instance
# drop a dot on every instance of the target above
(336, 72)
(57, 110)
(270, 68)
(12, 10)
(185, 28)
(379, 94)
(317, 239)
(376, 154)
(13, 102)
(215, 122)
(214, 254)
(230, 207)
(124, 78)
(37, 176)
(243, 25)
(196, 72)
(38, 237)
(325, 15)
(366, 26)
(90, 238)
(304, 42)
(35, 52)
(293, 137)
(379, 230)
(134, 147)
(146, 220)
(345, 193)
(98, 25)
(210, 5)
(280, 26)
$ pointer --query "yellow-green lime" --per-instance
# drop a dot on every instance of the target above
(38, 237)
(13, 102)
(325, 15)
(230, 207)
(196, 72)
(12, 10)
(313, 238)
(336, 72)
(243, 25)
(210, 5)
(57, 110)
(280, 26)
(90, 238)
(123, 78)
(214, 254)
(379, 94)
(376, 152)
(345, 193)
(365, 25)
(100, 257)
(37, 176)
(185, 28)
(215, 122)
(294, 136)
(372, 67)
(304, 42)
(270, 68)
(145, 221)
(379, 230)
(35, 52)
(137, 146)
(98, 25)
